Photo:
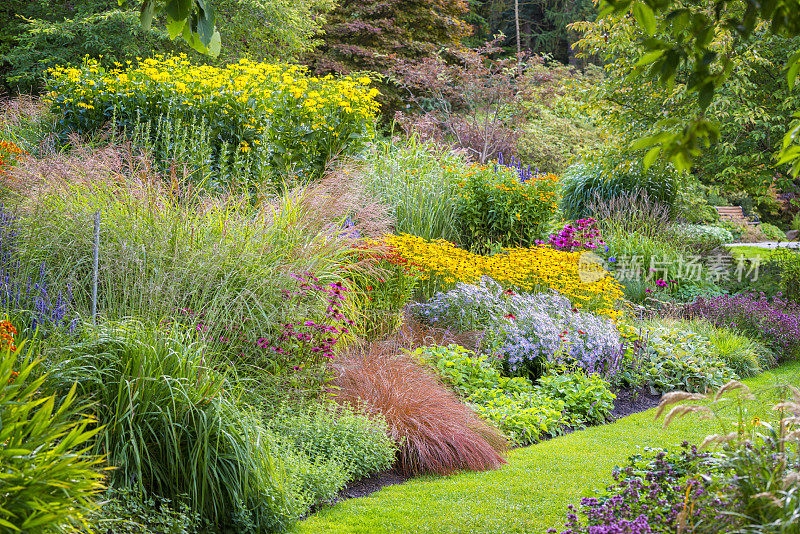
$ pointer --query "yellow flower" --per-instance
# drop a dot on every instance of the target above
(522, 268)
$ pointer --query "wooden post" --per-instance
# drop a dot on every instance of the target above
(96, 265)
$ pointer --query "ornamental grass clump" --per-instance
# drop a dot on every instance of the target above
(296, 121)
(420, 183)
(164, 248)
(776, 321)
(434, 430)
(173, 425)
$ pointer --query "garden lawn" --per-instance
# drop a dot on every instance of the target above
(531, 493)
(752, 252)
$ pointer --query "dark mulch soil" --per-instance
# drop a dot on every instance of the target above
(365, 486)
(628, 402)
(631, 401)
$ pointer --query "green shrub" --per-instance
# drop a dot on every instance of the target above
(128, 511)
(189, 146)
(787, 262)
(359, 444)
(737, 230)
(796, 222)
(49, 480)
(419, 181)
(772, 232)
(587, 399)
(746, 357)
(695, 203)
(778, 272)
(680, 359)
(459, 367)
(496, 209)
(554, 136)
(701, 239)
(588, 182)
(467, 372)
(523, 417)
(689, 290)
(523, 412)
(63, 33)
(171, 428)
(313, 481)
(296, 122)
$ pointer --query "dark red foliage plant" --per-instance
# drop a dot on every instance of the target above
(435, 431)
(466, 99)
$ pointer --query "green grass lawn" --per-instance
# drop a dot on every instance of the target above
(531, 493)
(752, 252)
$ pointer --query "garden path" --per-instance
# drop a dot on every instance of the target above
(767, 244)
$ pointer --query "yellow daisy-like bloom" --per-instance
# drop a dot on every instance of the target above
(526, 269)
(278, 101)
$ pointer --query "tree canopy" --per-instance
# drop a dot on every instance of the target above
(194, 20)
(684, 40)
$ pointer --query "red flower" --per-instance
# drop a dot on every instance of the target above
(509, 316)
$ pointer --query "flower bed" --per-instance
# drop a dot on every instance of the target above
(527, 269)
(776, 320)
(295, 121)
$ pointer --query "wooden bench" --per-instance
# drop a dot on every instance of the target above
(734, 214)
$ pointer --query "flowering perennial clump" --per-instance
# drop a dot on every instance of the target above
(525, 269)
(528, 331)
(775, 320)
(7, 333)
(305, 342)
(548, 328)
(9, 153)
(316, 340)
(654, 495)
(275, 110)
(524, 172)
(496, 207)
(47, 309)
(582, 235)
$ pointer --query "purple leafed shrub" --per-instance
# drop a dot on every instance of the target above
(776, 321)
